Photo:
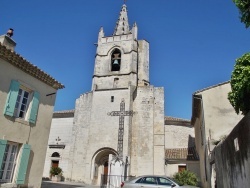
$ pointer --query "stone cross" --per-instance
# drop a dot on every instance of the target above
(116, 56)
(121, 115)
(58, 140)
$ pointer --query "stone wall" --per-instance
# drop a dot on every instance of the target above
(232, 157)
(178, 136)
(62, 128)
(148, 132)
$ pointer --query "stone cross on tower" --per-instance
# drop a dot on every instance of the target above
(121, 115)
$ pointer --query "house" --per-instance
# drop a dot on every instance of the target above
(180, 151)
(27, 98)
(58, 148)
(213, 118)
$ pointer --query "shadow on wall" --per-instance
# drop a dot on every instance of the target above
(56, 185)
(232, 157)
(191, 141)
(29, 165)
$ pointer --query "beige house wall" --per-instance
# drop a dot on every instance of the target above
(216, 119)
(220, 117)
(172, 169)
(179, 136)
(18, 130)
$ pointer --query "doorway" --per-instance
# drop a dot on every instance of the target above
(54, 163)
(105, 173)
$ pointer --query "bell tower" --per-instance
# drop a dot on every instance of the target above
(121, 60)
(119, 124)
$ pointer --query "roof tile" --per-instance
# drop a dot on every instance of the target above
(182, 153)
(19, 62)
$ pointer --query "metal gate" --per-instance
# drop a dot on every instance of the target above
(112, 181)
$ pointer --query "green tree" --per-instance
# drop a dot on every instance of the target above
(239, 97)
(244, 9)
(186, 177)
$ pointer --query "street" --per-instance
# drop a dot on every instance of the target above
(50, 184)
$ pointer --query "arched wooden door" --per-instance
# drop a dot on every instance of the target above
(105, 172)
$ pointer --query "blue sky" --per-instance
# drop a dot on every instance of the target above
(193, 44)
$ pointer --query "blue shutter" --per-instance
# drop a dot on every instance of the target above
(2, 150)
(11, 99)
(24, 160)
(34, 107)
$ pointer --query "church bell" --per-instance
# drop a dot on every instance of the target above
(116, 63)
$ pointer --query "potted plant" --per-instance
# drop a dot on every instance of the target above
(56, 174)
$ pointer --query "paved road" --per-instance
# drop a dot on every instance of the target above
(50, 184)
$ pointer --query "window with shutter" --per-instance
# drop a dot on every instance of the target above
(2, 149)
(12, 98)
(22, 102)
(8, 162)
(34, 107)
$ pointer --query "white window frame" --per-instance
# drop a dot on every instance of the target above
(20, 100)
(10, 158)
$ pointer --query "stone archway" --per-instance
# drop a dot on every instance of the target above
(55, 158)
(100, 167)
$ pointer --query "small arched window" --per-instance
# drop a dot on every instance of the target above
(55, 154)
(116, 60)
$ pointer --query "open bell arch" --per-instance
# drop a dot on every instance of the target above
(116, 59)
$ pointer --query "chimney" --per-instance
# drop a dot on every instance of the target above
(7, 41)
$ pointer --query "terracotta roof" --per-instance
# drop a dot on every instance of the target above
(176, 121)
(210, 87)
(19, 62)
(64, 114)
(182, 154)
(64, 111)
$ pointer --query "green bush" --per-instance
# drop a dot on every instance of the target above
(186, 177)
(239, 97)
(55, 171)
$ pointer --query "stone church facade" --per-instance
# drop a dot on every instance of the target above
(123, 114)
(121, 120)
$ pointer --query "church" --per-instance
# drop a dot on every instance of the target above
(119, 127)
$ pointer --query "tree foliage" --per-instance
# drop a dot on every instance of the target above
(239, 97)
(244, 9)
(186, 177)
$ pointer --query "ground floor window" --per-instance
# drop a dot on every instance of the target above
(8, 163)
(181, 168)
